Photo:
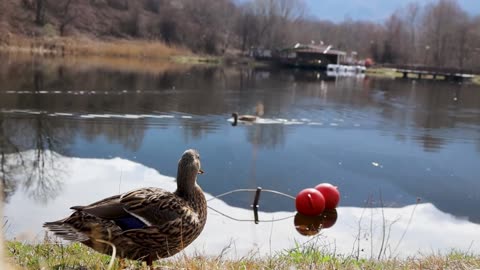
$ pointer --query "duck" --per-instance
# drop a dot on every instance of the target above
(247, 117)
(145, 224)
(243, 117)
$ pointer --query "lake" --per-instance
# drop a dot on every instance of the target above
(405, 153)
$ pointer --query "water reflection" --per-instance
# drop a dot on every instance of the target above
(37, 174)
(424, 135)
(312, 225)
(358, 230)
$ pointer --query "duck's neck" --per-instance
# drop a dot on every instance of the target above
(186, 182)
(193, 194)
(235, 119)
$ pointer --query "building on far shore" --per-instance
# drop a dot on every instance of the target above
(302, 56)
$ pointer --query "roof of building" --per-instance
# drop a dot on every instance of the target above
(308, 48)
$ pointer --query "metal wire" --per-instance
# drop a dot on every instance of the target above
(250, 190)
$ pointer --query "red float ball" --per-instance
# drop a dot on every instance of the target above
(310, 202)
(330, 193)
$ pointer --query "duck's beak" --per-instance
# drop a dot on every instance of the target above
(200, 171)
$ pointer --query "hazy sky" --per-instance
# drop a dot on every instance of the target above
(374, 10)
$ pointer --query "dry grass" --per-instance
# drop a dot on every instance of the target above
(476, 79)
(121, 48)
(111, 63)
(382, 72)
(53, 255)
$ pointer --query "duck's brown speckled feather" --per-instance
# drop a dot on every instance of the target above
(171, 221)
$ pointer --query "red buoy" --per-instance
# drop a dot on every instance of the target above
(330, 193)
(310, 202)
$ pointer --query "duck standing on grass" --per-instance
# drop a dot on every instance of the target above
(144, 224)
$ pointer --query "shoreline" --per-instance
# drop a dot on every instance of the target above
(138, 54)
(382, 72)
(133, 50)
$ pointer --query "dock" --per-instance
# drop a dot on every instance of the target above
(422, 72)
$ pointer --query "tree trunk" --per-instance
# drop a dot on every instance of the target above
(40, 12)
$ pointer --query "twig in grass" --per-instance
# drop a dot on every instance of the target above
(114, 249)
(408, 226)
(357, 238)
(383, 227)
(114, 252)
(224, 251)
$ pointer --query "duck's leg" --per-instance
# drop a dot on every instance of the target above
(149, 260)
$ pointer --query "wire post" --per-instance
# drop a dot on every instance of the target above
(255, 204)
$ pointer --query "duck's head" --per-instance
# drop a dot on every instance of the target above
(189, 167)
(235, 118)
(190, 162)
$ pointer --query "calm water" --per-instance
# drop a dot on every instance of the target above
(381, 141)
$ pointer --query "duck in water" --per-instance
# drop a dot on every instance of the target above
(247, 117)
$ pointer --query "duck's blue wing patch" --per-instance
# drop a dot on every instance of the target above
(129, 223)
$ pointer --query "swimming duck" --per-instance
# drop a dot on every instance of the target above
(143, 224)
(248, 118)
(243, 117)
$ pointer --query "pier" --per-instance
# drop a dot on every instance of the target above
(422, 72)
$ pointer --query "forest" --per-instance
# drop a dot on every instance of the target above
(438, 33)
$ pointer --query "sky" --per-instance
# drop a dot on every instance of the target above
(372, 10)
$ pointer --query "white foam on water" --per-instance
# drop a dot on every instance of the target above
(127, 116)
(132, 116)
(160, 116)
(61, 114)
(95, 116)
(186, 116)
(269, 121)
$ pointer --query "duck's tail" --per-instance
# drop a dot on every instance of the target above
(65, 231)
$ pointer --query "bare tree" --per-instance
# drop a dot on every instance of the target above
(40, 7)
(440, 21)
(66, 14)
(411, 17)
(395, 39)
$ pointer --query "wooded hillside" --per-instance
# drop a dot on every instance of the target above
(439, 33)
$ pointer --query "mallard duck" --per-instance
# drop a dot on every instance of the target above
(247, 117)
(143, 224)
(243, 117)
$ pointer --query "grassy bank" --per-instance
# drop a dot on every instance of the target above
(476, 79)
(391, 73)
(382, 72)
(115, 48)
(51, 255)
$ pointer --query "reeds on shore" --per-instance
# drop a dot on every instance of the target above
(82, 46)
